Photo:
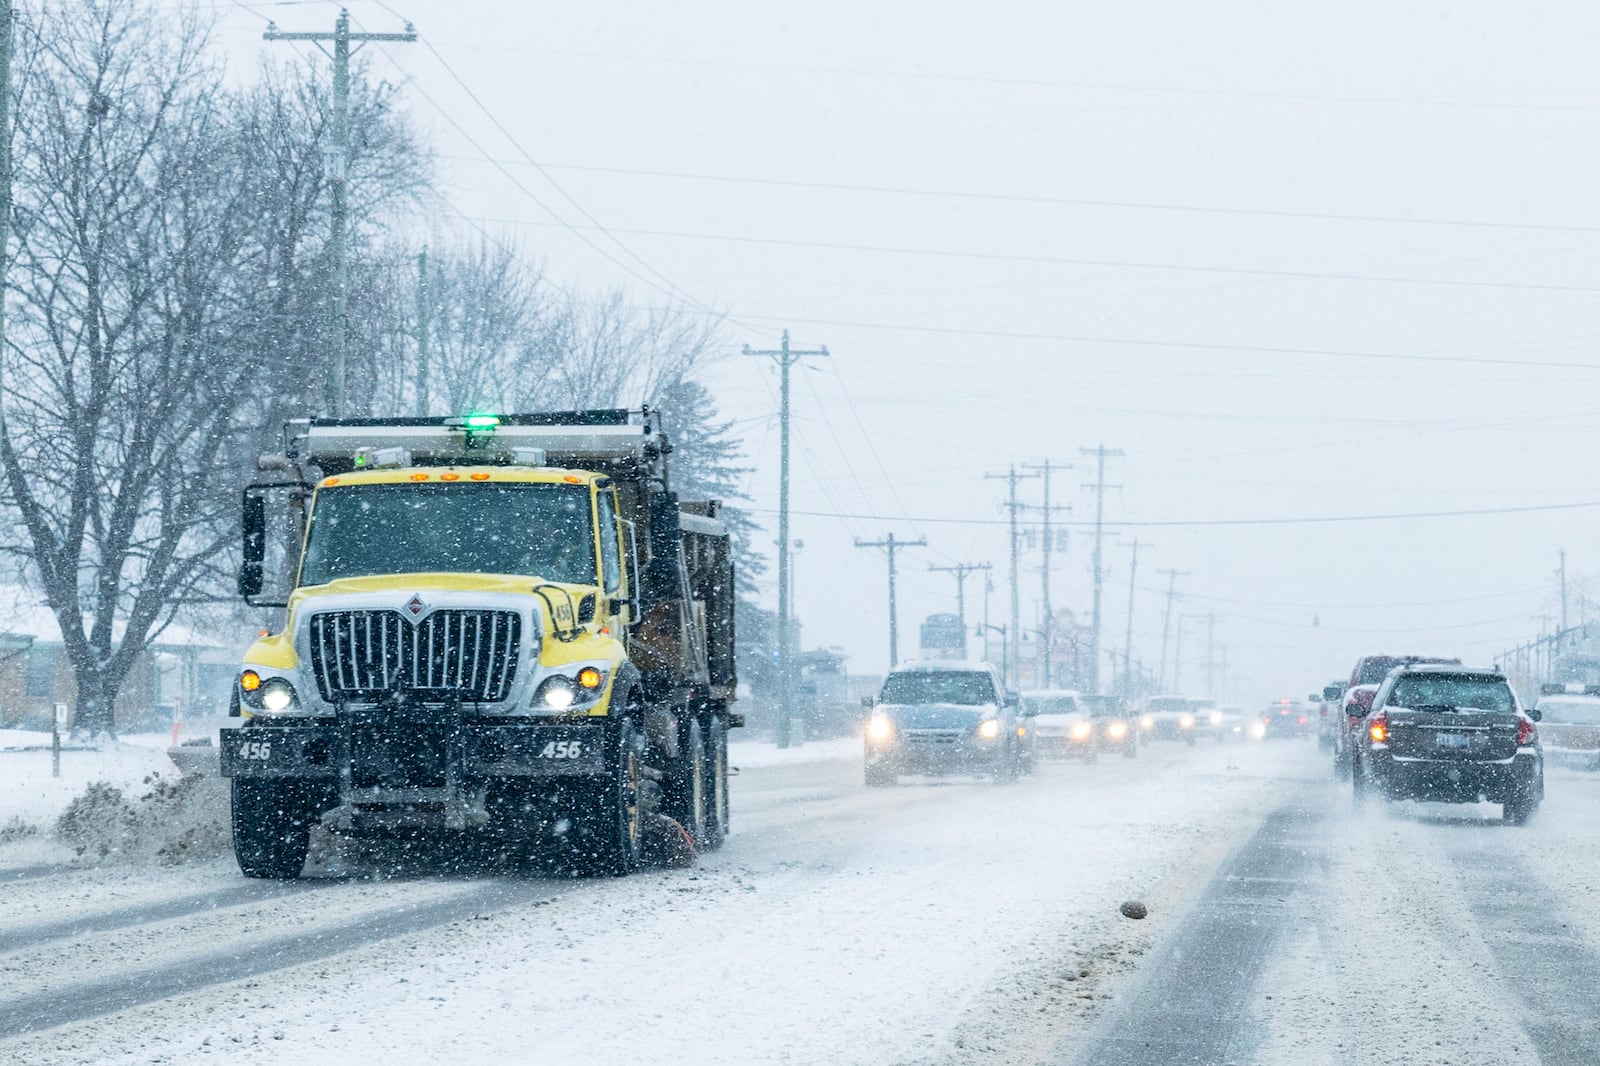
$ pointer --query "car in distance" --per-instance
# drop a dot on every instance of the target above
(1062, 728)
(1453, 735)
(1328, 714)
(1286, 718)
(1115, 729)
(1569, 724)
(1168, 718)
(942, 717)
(1369, 673)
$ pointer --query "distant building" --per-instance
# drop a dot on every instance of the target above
(180, 668)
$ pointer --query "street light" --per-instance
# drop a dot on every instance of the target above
(986, 627)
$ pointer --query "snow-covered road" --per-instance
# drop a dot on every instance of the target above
(942, 922)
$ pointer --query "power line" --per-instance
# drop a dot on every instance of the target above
(1056, 260)
(1204, 522)
(893, 545)
(1065, 201)
(1047, 83)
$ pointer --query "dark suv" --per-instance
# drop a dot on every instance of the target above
(1452, 735)
(1369, 672)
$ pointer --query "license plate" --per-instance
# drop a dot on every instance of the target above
(1460, 741)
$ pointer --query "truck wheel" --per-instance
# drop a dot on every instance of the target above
(688, 789)
(271, 828)
(880, 776)
(1358, 783)
(717, 807)
(615, 816)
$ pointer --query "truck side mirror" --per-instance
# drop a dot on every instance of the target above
(869, 702)
(662, 576)
(253, 525)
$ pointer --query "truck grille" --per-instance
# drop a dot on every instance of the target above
(359, 655)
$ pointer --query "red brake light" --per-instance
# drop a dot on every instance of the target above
(1378, 728)
(1302, 720)
(1525, 732)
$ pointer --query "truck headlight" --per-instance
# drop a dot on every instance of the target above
(1117, 730)
(575, 691)
(1081, 730)
(556, 694)
(277, 696)
(1147, 722)
(1186, 722)
(880, 728)
(1216, 717)
(988, 729)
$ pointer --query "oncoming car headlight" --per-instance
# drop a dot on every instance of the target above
(1081, 730)
(880, 728)
(574, 691)
(1186, 722)
(1216, 717)
(1117, 730)
(988, 729)
(1147, 722)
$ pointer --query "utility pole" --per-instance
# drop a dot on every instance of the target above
(1211, 653)
(1563, 574)
(893, 546)
(1013, 668)
(1049, 630)
(1177, 653)
(1166, 621)
(5, 174)
(1100, 454)
(1127, 645)
(1222, 684)
(338, 174)
(423, 312)
(786, 358)
(961, 570)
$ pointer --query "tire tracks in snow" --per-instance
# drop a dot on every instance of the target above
(1548, 966)
(84, 1000)
(147, 913)
(1193, 1009)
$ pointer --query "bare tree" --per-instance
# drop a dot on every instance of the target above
(121, 386)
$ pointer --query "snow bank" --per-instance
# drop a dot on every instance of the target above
(752, 753)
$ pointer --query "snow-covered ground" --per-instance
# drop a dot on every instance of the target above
(839, 924)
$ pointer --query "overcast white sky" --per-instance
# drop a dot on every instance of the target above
(1025, 228)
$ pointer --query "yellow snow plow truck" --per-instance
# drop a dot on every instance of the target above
(501, 628)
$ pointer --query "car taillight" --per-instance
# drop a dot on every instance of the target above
(1525, 732)
(1378, 728)
(1302, 720)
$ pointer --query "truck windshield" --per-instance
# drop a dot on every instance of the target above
(943, 686)
(497, 528)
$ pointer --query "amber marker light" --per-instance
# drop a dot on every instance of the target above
(249, 680)
(1378, 732)
(419, 477)
(589, 678)
(330, 481)
(449, 477)
(479, 477)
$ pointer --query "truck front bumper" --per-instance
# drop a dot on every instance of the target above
(471, 751)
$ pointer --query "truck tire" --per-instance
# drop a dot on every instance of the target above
(717, 808)
(613, 813)
(880, 776)
(271, 827)
(688, 789)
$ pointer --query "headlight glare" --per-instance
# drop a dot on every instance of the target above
(277, 695)
(556, 693)
(880, 728)
(1117, 729)
(989, 728)
(1081, 730)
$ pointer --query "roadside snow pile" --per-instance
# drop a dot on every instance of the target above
(749, 753)
(174, 821)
